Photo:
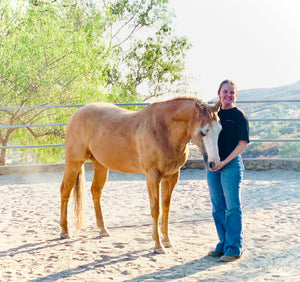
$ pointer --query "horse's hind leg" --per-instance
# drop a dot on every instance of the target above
(100, 177)
(153, 180)
(167, 186)
(72, 169)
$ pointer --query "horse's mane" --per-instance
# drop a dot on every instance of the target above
(200, 104)
(175, 99)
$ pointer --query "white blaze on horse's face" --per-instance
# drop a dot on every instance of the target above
(210, 135)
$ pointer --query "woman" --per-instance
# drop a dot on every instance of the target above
(225, 180)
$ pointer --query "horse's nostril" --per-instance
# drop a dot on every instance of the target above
(212, 165)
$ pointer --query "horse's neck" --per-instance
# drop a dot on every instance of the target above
(181, 134)
(180, 125)
(177, 115)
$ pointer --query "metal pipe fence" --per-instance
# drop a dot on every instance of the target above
(135, 104)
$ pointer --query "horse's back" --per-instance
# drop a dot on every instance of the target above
(96, 110)
(93, 116)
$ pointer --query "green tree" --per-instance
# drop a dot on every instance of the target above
(290, 150)
(76, 52)
(272, 131)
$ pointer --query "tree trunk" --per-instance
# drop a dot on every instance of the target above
(2, 157)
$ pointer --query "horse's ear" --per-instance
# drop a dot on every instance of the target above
(216, 107)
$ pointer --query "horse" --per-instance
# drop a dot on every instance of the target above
(152, 141)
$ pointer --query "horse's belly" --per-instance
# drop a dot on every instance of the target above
(118, 160)
(124, 167)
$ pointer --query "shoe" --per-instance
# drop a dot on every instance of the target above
(229, 258)
(215, 254)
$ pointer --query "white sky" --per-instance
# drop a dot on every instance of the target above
(256, 43)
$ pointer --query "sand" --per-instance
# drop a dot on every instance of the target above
(31, 250)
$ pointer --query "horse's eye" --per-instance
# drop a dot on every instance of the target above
(204, 132)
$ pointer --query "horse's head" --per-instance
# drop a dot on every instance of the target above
(205, 131)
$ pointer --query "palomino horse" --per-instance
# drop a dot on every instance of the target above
(152, 141)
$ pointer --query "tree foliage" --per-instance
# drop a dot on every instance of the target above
(77, 52)
(274, 130)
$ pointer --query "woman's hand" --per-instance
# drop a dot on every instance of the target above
(237, 151)
(220, 166)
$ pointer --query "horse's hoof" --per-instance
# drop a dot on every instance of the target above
(65, 236)
(104, 234)
(168, 244)
(160, 251)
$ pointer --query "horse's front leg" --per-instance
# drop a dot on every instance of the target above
(167, 186)
(153, 180)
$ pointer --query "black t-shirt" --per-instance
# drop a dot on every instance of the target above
(235, 128)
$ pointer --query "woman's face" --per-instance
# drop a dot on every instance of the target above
(227, 95)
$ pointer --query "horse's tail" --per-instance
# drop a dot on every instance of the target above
(79, 207)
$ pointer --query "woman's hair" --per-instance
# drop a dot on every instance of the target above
(227, 81)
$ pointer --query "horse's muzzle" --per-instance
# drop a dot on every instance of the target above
(211, 165)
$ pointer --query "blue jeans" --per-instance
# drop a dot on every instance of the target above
(225, 192)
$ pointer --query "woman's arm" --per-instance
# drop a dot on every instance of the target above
(240, 148)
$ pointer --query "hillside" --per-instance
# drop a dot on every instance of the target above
(272, 109)
(291, 91)
(272, 129)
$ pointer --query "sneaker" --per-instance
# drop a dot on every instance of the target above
(215, 254)
(229, 258)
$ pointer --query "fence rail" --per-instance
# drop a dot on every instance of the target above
(135, 104)
(64, 124)
(64, 106)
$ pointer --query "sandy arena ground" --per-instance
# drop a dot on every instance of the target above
(30, 248)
